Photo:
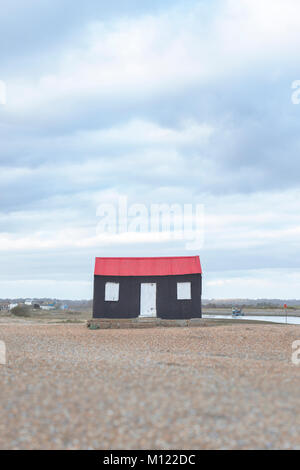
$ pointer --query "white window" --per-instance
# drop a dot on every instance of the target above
(112, 292)
(184, 291)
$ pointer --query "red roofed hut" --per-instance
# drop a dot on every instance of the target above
(168, 287)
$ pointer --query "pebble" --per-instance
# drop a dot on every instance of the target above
(222, 387)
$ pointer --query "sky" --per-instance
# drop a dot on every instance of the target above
(155, 102)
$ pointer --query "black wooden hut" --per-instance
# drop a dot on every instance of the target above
(168, 287)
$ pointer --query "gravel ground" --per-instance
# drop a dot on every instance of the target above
(232, 387)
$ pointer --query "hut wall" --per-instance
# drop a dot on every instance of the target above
(128, 306)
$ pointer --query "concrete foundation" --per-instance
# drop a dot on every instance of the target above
(106, 323)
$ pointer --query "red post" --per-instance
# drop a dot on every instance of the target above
(285, 308)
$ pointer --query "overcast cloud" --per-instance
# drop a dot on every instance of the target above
(162, 102)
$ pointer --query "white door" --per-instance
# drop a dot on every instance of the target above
(148, 300)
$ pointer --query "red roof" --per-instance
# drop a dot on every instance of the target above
(148, 266)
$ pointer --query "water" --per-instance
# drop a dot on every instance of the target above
(274, 319)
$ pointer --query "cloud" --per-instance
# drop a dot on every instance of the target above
(189, 102)
(163, 53)
(267, 284)
(20, 288)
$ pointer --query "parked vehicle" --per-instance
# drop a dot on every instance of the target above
(237, 312)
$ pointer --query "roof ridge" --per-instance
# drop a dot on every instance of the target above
(147, 266)
(145, 257)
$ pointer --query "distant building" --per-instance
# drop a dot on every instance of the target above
(167, 287)
(11, 306)
(4, 306)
